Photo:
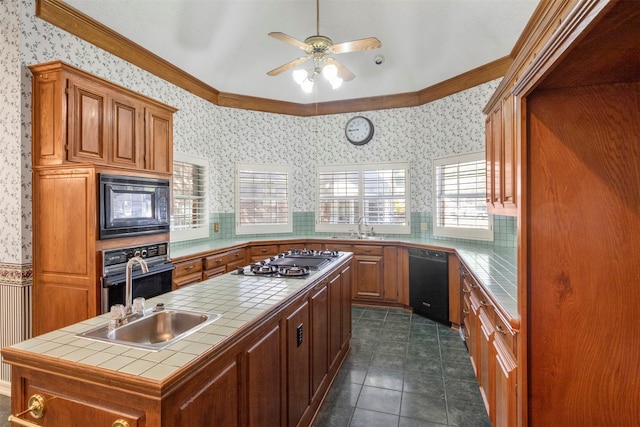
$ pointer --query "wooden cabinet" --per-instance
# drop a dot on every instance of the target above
(319, 335)
(368, 268)
(78, 117)
(263, 384)
(187, 272)
(492, 350)
(261, 252)
(299, 338)
(206, 266)
(501, 157)
(66, 277)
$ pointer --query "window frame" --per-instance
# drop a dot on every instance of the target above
(360, 168)
(192, 233)
(461, 232)
(264, 228)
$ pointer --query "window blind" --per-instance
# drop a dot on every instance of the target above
(377, 192)
(460, 197)
(264, 197)
(189, 210)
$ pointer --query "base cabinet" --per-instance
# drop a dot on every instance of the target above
(275, 372)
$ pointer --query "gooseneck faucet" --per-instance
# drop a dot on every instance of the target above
(362, 221)
(128, 295)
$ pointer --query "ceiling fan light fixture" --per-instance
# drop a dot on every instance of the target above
(307, 85)
(330, 72)
(299, 76)
(336, 82)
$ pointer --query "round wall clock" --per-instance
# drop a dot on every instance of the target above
(359, 130)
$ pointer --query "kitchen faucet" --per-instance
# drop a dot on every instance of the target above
(362, 221)
(128, 294)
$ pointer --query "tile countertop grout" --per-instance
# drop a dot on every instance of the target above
(240, 300)
(494, 267)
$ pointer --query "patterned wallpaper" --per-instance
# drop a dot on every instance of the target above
(222, 135)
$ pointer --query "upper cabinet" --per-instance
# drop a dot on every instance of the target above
(82, 118)
(501, 157)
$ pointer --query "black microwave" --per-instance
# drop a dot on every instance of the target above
(131, 206)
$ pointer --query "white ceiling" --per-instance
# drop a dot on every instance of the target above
(224, 43)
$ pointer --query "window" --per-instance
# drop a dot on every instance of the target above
(377, 192)
(189, 216)
(460, 208)
(263, 199)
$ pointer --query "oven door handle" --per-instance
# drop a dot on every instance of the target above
(118, 279)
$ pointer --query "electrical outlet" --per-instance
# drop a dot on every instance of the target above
(423, 226)
(299, 335)
(216, 227)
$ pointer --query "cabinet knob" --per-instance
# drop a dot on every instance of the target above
(189, 267)
(501, 330)
(120, 423)
(35, 409)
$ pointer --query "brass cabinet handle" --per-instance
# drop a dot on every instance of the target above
(120, 423)
(189, 267)
(501, 330)
(466, 291)
(35, 409)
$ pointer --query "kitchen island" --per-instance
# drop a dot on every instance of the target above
(271, 356)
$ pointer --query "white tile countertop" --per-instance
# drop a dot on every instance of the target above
(495, 267)
(239, 299)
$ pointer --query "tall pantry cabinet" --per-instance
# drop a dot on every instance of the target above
(83, 126)
(577, 130)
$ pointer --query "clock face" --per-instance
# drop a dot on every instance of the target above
(359, 130)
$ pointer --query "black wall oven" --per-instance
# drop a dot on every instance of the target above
(157, 281)
(131, 206)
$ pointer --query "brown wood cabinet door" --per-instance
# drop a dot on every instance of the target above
(369, 275)
(263, 379)
(299, 337)
(87, 132)
(506, 380)
(487, 362)
(508, 152)
(497, 159)
(319, 336)
(214, 403)
(158, 149)
(126, 131)
(335, 310)
(345, 319)
(488, 136)
(65, 220)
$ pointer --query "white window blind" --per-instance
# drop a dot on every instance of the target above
(263, 199)
(189, 216)
(460, 208)
(377, 192)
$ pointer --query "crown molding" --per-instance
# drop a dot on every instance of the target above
(62, 15)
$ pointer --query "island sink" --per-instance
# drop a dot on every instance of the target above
(152, 329)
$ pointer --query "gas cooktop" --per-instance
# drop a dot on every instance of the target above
(293, 263)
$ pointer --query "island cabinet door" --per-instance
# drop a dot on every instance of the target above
(212, 398)
(65, 404)
(319, 336)
(298, 363)
(263, 381)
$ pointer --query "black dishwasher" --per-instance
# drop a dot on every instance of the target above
(429, 284)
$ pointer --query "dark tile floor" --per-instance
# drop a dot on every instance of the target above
(403, 370)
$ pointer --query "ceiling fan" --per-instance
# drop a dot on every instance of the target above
(317, 48)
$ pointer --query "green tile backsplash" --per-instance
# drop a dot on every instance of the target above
(304, 225)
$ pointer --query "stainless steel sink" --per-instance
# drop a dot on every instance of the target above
(152, 330)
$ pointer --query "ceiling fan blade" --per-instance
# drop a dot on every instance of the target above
(289, 40)
(289, 65)
(343, 72)
(356, 45)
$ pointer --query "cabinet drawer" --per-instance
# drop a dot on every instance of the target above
(187, 267)
(339, 247)
(236, 255)
(367, 250)
(265, 250)
(216, 260)
(213, 272)
(232, 266)
(506, 334)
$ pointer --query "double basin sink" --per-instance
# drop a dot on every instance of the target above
(152, 329)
